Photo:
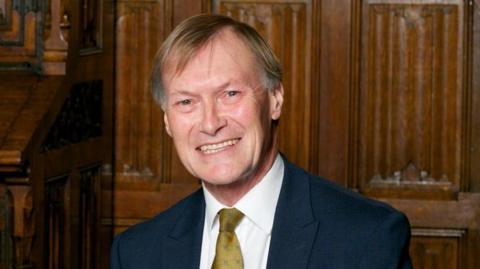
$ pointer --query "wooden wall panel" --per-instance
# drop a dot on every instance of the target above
(416, 123)
(95, 64)
(88, 201)
(287, 26)
(474, 172)
(434, 252)
(333, 89)
(141, 27)
(147, 168)
(436, 223)
(91, 21)
(72, 219)
(381, 96)
(23, 226)
(52, 190)
(57, 194)
(412, 94)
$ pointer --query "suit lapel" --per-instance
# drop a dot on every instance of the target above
(294, 227)
(185, 240)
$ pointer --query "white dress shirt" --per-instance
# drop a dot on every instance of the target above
(255, 229)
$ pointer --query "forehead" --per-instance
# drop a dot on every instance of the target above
(224, 50)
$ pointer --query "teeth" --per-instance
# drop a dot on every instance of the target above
(212, 148)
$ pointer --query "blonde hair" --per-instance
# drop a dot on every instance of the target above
(194, 33)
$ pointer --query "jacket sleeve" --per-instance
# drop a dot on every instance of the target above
(388, 244)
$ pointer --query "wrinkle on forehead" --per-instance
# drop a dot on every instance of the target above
(232, 45)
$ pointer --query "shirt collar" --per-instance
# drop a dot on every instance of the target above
(258, 204)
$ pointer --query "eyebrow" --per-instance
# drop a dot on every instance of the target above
(187, 92)
(180, 92)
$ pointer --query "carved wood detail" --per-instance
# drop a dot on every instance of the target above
(24, 44)
(42, 225)
(16, 21)
(287, 28)
(56, 43)
(411, 94)
(80, 117)
(143, 148)
(91, 22)
(445, 234)
(23, 225)
(474, 151)
(90, 187)
(436, 250)
(56, 199)
(354, 108)
(5, 14)
(18, 30)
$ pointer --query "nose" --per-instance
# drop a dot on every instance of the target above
(212, 122)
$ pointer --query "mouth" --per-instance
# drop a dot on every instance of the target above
(217, 147)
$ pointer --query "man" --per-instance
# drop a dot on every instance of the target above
(220, 87)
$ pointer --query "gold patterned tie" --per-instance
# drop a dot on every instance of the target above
(228, 253)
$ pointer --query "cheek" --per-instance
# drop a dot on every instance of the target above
(255, 122)
(179, 127)
(247, 114)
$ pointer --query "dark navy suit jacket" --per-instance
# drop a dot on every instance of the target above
(317, 224)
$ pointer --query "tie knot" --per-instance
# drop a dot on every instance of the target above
(229, 219)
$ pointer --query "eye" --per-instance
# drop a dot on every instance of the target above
(184, 102)
(231, 97)
(232, 93)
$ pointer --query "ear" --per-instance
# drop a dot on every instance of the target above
(167, 125)
(276, 102)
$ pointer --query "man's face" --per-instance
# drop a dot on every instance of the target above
(220, 115)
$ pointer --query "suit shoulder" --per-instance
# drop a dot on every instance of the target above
(159, 225)
(342, 198)
(329, 197)
(148, 244)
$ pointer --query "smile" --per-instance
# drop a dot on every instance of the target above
(213, 148)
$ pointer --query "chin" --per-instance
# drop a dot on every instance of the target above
(220, 181)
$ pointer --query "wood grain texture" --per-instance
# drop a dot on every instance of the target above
(144, 150)
(149, 177)
(23, 225)
(287, 28)
(333, 69)
(57, 195)
(30, 101)
(25, 99)
(443, 229)
(434, 252)
(381, 97)
(474, 150)
(412, 95)
(91, 21)
(89, 205)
